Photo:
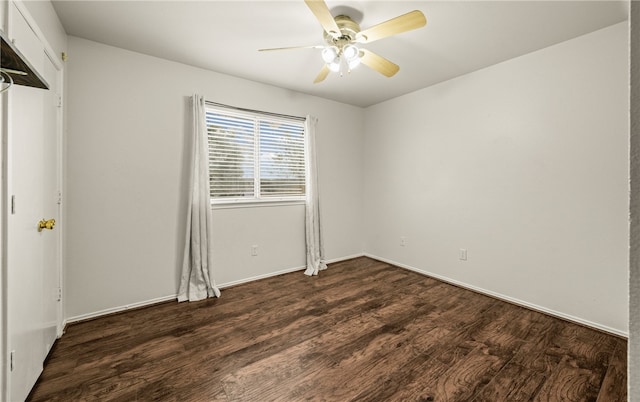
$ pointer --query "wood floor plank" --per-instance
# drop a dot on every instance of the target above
(570, 382)
(512, 383)
(362, 330)
(614, 386)
(463, 380)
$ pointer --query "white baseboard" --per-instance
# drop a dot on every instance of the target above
(284, 271)
(118, 309)
(157, 300)
(258, 277)
(340, 259)
(508, 299)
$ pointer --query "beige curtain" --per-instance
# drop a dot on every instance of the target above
(196, 282)
(315, 252)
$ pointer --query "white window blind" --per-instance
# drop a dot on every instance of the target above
(254, 157)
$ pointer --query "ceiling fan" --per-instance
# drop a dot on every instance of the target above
(342, 37)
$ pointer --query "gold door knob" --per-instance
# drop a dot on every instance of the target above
(43, 224)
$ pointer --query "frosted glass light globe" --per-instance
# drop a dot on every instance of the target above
(350, 52)
(329, 54)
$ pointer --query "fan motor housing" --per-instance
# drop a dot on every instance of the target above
(348, 30)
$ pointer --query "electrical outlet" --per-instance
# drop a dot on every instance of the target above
(254, 250)
(463, 254)
(403, 241)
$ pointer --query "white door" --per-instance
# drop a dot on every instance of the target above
(51, 259)
(33, 269)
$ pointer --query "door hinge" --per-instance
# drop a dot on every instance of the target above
(13, 205)
(59, 198)
(11, 360)
(59, 101)
(59, 294)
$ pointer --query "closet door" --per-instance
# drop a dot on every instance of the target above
(24, 242)
(33, 269)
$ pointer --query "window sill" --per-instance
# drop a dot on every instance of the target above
(256, 204)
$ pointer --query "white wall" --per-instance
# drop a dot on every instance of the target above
(128, 115)
(524, 164)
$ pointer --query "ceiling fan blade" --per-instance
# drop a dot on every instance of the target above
(406, 22)
(378, 63)
(320, 9)
(322, 75)
(291, 48)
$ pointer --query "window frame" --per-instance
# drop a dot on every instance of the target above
(258, 199)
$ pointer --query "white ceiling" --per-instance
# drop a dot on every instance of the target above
(224, 36)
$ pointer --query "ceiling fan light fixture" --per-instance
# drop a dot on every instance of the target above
(330, 54)
(334, 65)
(350, 52)
(342, 34)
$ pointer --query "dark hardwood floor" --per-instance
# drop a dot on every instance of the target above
(362, 330)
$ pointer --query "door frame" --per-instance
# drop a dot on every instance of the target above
(59, 140)
(60, 155)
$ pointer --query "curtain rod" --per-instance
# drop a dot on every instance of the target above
(254, 111)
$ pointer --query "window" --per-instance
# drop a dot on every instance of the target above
(254, 157)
